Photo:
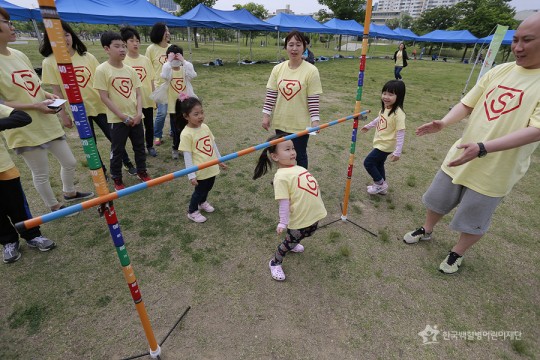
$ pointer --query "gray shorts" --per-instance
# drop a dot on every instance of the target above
(474, 213)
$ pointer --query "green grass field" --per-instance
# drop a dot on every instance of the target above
(350, 295)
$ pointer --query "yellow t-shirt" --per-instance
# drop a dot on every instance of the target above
(200, 143)
(121, 85)
(387, 127)
(298, 186)
(291, 112)
(399, 58)
(145, 70)
(6, 164)
(19, 82)
(157, 56)
(506, 99)
(176, 86)
(85, 68)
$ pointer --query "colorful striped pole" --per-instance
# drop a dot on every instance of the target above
(357, 107)
(27, 224)
(55, 32)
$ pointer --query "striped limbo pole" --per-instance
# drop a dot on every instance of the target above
(357, 107)
(54, 29)
(27, 224)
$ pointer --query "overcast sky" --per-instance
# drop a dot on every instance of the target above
(298, 6)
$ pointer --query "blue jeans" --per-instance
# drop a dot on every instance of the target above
(300, 146)
(160, 120)
(374, 164)
(397, 72)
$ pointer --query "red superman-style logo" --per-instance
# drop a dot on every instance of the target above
(502, 100)
(204, 145)
(382, 124)
(162, 59)
(289, 88)
(178, 84)
(27, 80)
(123, 85)
(307, 182)
(141, 72)
(83, 75)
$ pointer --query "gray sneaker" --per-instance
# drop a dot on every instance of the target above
(413, 237)
(152, 152)
(41, 243)
(11, 252)
(174, 154)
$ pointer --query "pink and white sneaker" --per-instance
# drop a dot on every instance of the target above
(205, 206)
(299, 248)
(378, 189)
(277, 272)
(196, 216)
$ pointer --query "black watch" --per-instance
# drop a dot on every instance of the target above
(482, 152)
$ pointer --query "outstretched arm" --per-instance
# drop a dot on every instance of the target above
(513, 140)
(16, 119)
(458, 113)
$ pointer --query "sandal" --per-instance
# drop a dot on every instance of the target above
(299, 248)
(276, 271)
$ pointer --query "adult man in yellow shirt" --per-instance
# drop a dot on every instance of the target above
(504, 114)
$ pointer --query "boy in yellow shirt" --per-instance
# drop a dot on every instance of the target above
(119, 88)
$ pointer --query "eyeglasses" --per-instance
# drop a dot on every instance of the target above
(9, 22)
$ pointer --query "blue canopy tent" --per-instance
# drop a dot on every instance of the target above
(508, 37)
(345, 27)
(20, 13)
(286, 22)
(382, 31)
(449, 36)
(406, 34)
(132, 12)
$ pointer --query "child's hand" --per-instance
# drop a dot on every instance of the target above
(136, 120)
(430, 128)
(281, 228)
(266, 122)
(394, 158)
(364, 129)
(42, 106)
(194, 182)
(223, 166)
(180, 57)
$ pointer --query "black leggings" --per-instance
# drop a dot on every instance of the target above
(292, 239)
(201, 193)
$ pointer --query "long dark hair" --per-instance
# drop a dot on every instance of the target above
(265, 163)
(45, 49)
(396, 87)
(184, 107)
(157, 32)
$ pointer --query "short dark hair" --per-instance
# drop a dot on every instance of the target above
(174, 49)
(128, 32)
(108, 37)
(157, 32)
(46, 49)
(4, 13)
(298, 35)
(396, 87)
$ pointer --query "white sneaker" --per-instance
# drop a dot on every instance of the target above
(378, 189)
(299, 248)
(206, 207)
(196, 216)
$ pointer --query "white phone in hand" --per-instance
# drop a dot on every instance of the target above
(56, 104)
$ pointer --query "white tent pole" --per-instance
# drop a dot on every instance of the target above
(189, 44)
(238, 44)
(440, 50)
(250, 47)
(38, 33)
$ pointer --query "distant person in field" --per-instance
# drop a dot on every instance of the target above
(400, 61)
(389, 135)
(292, 96)
(20, 89)
(494, 151)
(14, 207)
(198, 146)
(84, 64)
(308, 54)
(299, 196)
(160, 37)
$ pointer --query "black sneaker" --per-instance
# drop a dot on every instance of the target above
(78, 196)
(11, 252)
(130, 169)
